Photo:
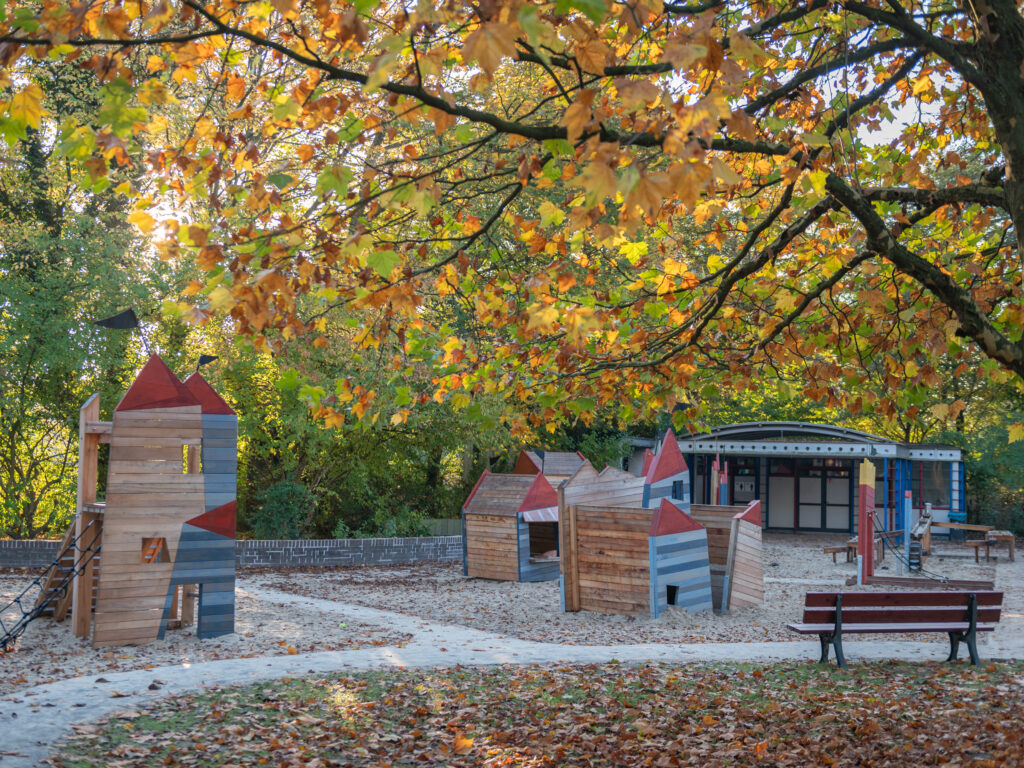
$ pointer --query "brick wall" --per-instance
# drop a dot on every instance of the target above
(38, 554)
(35, 553)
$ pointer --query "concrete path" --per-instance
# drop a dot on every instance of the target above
(32, 720)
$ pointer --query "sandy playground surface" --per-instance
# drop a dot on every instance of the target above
(794, 565)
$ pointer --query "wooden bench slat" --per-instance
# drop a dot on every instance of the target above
(904, 615)
(900, 599)
(895, 627)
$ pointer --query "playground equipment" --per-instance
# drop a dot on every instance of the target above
(917, 542)
(167, 527)
(509, 528)
(614, 558)
(634, 561)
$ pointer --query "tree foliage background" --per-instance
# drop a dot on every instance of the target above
(543, 213)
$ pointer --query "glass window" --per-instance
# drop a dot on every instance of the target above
(931, 482)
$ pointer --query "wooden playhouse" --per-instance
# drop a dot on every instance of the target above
(602, 542)
(510, 528)
(634, 561)
(163, 542)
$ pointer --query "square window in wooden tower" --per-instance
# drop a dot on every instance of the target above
(154, 550)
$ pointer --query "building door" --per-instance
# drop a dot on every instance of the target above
(824, 494)
(781, 494)
(810, 492)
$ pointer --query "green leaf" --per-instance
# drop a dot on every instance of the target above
(382, 262)
(550, 214)
(280, 180)
(595, 10)
(463, 132)
(350, 130)
(558, 147)
(335, 178)
(814, 139)
(634, 251)
(288, 380)
(403, 396)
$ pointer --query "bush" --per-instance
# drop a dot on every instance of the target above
(283, 511)
(388, 521)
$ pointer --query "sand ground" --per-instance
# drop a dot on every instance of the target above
(794, 565)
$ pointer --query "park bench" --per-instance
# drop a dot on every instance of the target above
(961, 615)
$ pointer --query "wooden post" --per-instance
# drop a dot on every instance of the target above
(188, 604)
(865, 520)
(88, 456)
(568, 555)
(193, 464)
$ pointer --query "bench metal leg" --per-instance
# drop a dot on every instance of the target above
(954, 646)
(970, 636)
(836, 641)
(955, 638)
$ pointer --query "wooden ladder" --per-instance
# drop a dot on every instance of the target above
(152, 551)
(56, 573)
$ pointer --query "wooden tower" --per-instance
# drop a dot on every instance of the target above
(169, 521)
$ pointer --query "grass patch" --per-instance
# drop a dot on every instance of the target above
(878, 714)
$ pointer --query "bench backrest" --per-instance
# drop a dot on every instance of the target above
(901, 607)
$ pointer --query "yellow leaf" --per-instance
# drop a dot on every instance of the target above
(220, 297)
(542, 317)
(724, 173)
(143, 221)
(1016, 432)
(463, 746)
(27, 106)
(400, 418)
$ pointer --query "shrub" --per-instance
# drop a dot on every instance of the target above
(283, 511)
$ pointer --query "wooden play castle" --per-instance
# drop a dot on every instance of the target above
(166, 532)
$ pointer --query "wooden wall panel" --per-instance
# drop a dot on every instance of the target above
(492, 547)
(612, 559)
(679, 564)
(746, 577)
(142, 505)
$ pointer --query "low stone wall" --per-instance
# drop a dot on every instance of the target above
(34, 553)
(270, 554)
(348, 551)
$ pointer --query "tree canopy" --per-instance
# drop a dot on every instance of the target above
(571, 204)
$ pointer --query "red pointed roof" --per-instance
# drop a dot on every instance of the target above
(156, 386)
(220, 520)
(668, 518)
(752, 513)
(207, 395)
(669, 460)
(540, 495)
(648, 458)
(528, 463)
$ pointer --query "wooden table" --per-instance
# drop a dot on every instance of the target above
(993, 537)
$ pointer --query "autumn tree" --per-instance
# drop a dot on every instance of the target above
(625, 200)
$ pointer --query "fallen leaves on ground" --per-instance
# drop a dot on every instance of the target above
(877, 714)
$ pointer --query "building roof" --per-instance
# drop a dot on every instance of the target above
(668, 462)
(156, 386)
(796, 438)
(497, 494)
(207, 395)
(668, 518)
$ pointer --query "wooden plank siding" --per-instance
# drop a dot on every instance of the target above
(746, 571)
(491, 546)
(680, 572)
(612, 538)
